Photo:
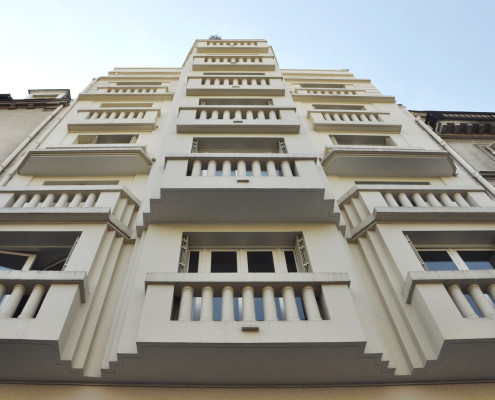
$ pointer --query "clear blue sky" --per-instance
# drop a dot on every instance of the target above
(429, 54)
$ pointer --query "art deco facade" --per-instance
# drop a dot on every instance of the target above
(229, 223)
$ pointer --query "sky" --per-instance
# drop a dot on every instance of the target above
(430, 55)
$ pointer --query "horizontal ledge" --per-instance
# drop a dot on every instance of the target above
(240, 156)
(31, 278)
(462, 278)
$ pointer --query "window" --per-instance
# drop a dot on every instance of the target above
(362, 140)
(284, 258)
(455, 259)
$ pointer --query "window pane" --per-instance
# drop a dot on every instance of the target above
(193, 261)
(478, 259)
(290, 261)
(258, 308)
(217, 308)
(223, 261)
(300, 309)
(473, 305)
(438, 261)
(260, 261)
(12, 261)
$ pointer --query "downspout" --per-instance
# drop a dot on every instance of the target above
(475, 174)
(33, 134)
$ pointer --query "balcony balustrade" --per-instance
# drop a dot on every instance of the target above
(229, 187)
(233, 63)
(143, 91)
(237, 119)
(115, 119)
(337, 120)
(114, 205)
(235, 85)
(366, 205)
(232, 46)
(339, 94)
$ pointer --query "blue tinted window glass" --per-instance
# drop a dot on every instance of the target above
(300, 308)
(258, 307)
(217, 308)
(478, 259)
(438, 261)
(473, 305)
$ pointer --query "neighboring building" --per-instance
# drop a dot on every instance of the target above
(229, 223)
(22, 119)
(470, 134)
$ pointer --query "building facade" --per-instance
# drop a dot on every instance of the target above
(232, 224)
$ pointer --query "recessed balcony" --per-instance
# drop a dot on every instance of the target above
(115, 119)
(58, 204)
(248, 85)
(364, 206)
(356, 121)
(222, 62)
(238, 329)
(237, 119)
(80, 160)
(234, 188)
(384, 161)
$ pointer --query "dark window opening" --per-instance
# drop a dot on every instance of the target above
(290, 260)
(224, 261)
(260, 261)
(193, 261)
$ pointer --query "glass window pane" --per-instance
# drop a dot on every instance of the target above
(478, 259)
(193, 261)
(290, 261)
(473, 305)
(438, 261)
(260, 261)
(300, 308)
(12, 261)
(223, 261)
(258, 308)
(217, 308)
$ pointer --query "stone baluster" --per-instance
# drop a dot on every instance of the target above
(141, 115)
(327, 117)
(196, 168)
(256, 168)
(212, 168)
(90, 200)
(460, 301)
(269, 308)
(354, 118)
(76, 200)
(244, 82)
(113, 115)
(272, 115)
(336, 117)
(235, 82)
(372, 118)
(206, 304)
(432, 200)
(447, 201)
(20, 201)
(34, 201)
(214, 114)
(485, 305)
(248, 309)
(261, 114)
(13, 301)
(203, 114)
(226, 114)
(226, 168)
(286, 169)
(238, 115)
(310, 304)
(418, 200)
(227, 303)
(48, 202)
(249, 115)
(241, 168)
(291, 313)
(270, 168)
(460, 200)
(33, 302)
(62, 200)
(345, 117)
(404, 200)
(389, 198)
(186, 303)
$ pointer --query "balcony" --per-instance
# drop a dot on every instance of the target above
(456, 311)
(232, 85)
(232, 46)
(36, 316)
(232, 188)
(364, 206)
(115, 91)
(80, 160)
(339, 94)
(355, 121)
(58, 204)
(115, 119)
(386, 161)
(246, 327)
(233, 63)
(237, 119)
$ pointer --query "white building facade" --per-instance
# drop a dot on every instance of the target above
(232, 224)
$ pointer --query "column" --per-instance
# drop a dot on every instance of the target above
(248, 310)
(228, 303)
(207, 304)
(33, 302)
(269, 308)
(291, 313)
(186, 300)
(310, 304)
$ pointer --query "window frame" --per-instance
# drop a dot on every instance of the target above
(453, 253)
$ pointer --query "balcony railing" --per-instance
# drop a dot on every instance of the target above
(352, 121)
(135, 92)
(115, 205)
(115, 119)
(235, 85)
(207, 119)
(234, 63)
(232, 46)
(366, 205)
(351, 94)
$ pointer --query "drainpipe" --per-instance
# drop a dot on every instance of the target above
(475, 174)
(33, 134)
